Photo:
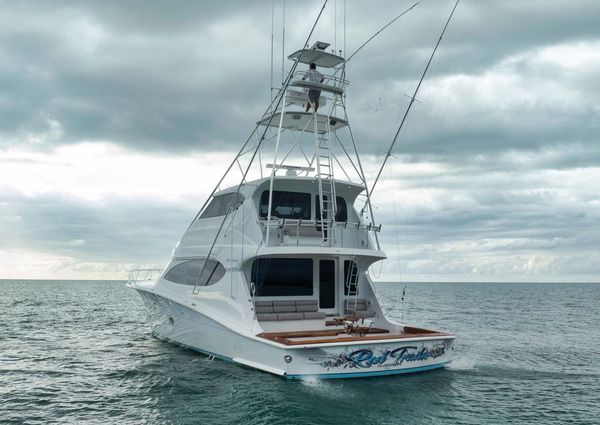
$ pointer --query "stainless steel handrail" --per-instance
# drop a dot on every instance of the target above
(140, 275)
(312, 223)
(296, 224)
(329, 80)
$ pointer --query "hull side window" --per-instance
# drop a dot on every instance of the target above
(188, 272)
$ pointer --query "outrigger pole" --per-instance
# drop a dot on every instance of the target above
(362, 173)
(373, 36)
(382, 28)
(262, 138)
(412, 100)
(241, 151)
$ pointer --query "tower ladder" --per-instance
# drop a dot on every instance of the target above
(326, 183)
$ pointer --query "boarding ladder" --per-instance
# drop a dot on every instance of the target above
(326, 183)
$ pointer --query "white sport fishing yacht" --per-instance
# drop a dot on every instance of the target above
(273, 272)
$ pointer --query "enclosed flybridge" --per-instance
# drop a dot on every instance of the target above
(273, 271)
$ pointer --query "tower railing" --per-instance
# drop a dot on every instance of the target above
(329, 80)
(301, 232)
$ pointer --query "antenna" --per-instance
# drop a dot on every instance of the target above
(272, 31)
(345, 50)
(256, 149)
(283, 43)
(334, 26)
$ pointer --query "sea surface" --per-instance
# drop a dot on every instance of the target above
(80, 352)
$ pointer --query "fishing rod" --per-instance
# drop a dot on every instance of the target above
(262, 138)
(412, 100)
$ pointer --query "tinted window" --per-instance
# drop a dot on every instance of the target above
(350, 277)
(274, 277)
(188, 272)
(286, 204)
(341, 211)
(219, 205)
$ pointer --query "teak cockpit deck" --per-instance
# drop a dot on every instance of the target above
(341, 335)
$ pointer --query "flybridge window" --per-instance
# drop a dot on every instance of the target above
(219, 205)
(282, 277)
(286, 205)
(188, 272)
(341, 211)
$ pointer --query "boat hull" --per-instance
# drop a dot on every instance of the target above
(179, 324)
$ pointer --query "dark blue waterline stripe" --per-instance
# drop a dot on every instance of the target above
(320, 376)
(369, 374)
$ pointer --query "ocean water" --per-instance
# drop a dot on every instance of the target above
(81, 352)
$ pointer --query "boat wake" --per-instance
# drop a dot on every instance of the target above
(463, 363)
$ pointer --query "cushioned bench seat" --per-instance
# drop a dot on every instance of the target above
(288, 310)
(357, 308)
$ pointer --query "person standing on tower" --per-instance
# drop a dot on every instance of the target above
(313, 76)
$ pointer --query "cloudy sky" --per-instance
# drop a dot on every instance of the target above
(116, 118)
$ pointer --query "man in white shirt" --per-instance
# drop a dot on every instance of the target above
(313, 76)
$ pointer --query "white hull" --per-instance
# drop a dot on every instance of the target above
(272, 273)
(174, 322)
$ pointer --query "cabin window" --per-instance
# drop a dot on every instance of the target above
(341, 211)
(350, 277)
(188, 272)
(219, 205)
(294, 205)
(282, 277)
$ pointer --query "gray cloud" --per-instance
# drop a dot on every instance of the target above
(104, 80)
(509, 125)
(116, 231)
(196, 76)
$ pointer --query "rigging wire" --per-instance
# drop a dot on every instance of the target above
(442, 127)
(394, 204)
(241, 151)
(378, 275)
(412, 99)
(402, 309)
(235, 197)
(344, 28)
